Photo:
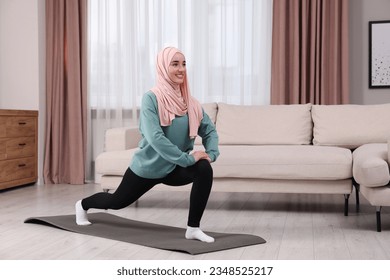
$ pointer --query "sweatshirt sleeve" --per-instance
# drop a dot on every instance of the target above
(209, 137)
(154, 135)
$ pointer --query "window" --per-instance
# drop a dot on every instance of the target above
(227, 46)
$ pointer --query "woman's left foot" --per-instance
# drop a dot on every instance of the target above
(81, 215)
(197, 233)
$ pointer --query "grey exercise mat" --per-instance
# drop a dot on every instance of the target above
(147, 234)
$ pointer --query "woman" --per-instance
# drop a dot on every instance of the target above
(170, 120)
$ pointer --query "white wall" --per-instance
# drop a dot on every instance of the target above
(22, 60)
(19, 54)
(361, 12)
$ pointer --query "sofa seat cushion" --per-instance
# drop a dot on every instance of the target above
(294, 162)
(114, 162)
(370, 167)
(260, 162)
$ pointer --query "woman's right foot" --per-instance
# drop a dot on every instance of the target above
(81, 215)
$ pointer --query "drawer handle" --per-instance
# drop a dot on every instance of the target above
(22, 165)
(22, 144)
(22, 123)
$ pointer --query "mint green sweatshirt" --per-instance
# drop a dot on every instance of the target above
(163, 148)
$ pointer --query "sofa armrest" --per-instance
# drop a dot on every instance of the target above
(388, 152)
(370, 167)
(122, 138)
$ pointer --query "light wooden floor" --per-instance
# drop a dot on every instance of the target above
(300, 227)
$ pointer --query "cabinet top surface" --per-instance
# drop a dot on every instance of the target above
(5, 112)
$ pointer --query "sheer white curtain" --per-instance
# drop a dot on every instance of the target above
(227, 44)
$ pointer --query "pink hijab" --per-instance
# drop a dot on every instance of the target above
(175, 99)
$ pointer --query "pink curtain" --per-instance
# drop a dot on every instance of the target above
(310, 52)
(66, 92)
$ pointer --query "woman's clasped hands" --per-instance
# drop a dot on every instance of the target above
(198, 155)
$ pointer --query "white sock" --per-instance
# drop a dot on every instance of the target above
(197, 233)
(81, 215)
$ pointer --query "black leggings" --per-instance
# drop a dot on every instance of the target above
(133, 187)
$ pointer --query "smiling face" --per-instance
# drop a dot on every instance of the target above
(177, 68)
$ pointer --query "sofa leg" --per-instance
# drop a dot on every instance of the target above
(378, 219)
(357, 190)
(346, 198)
(106, 190)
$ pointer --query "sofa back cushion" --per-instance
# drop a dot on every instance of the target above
(350, 126)
(211, 110)
(264, 125)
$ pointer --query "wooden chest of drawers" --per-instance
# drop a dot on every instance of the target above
(18, 148)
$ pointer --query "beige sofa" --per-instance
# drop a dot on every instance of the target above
(281, 149)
